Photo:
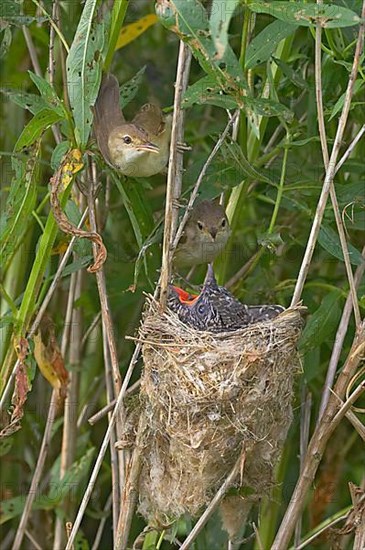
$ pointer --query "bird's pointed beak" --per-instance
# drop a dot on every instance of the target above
(150, 147)
(213, 233)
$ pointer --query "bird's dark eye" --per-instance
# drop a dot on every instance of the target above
(223, 222)
(127, 139)
(200, 225)
(201, 309)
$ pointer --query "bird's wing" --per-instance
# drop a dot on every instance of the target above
(107, 113)
(151, 118)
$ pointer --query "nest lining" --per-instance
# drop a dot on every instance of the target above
(204, 396)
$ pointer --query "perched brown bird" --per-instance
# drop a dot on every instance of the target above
(205, 235)
(139, 148)
(215, 309)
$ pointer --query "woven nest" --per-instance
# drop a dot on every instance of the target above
(206, 396)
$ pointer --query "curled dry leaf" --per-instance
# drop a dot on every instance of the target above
(21, 389)
(70, 165)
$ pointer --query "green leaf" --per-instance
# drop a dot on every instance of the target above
(322, 323)
(266, 42)
(83, 64)
(13, 507)
(295, 77)
(233, 153)
(207, 91)
(339, 103)
(74, 476)
(221, 14)
(137, 207)
(5, 42)
(128, 91)
(330, 241)
(48, 94)
(11, 14)
(307, 15)
(20, 204)
(188, 19)
(33, 102)
(35, 128)
(58, 153)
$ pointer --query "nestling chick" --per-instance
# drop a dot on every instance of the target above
(139, 148)
(205, 235)
(215, 309)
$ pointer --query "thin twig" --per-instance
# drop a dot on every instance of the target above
(228, 482)
(174, 175)
(33, 490)
(37, 69)
(320, 531)
(69, 433)
(323, 138)
(100, 530)
(32, 51)
(331, 168)
(339, 340)
(109, 351)
(350, 148)
(107, 323)
(329, 422)
(104, 411)
(305, 416)
(103, 448)
(114, 459)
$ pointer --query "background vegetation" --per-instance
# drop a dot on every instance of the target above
(271, 174)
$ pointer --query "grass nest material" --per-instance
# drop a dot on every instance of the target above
(203, 398)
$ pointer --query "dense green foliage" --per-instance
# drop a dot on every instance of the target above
(271, 178)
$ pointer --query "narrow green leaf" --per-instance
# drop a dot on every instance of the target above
(339, 103)
(33, 102)
(307, 15)
(295, 77)
(233, 153)
(5, 42)
(221, 14)
(48, 94)
(330, 241)
(83, 64)
(266, 42)
(20, 204)
(35, 128)
(322, 323)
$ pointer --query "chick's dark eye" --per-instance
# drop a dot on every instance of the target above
(127, 139)
(223, 223)
(200, 225)
(201, 309)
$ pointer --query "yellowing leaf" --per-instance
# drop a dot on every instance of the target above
(72, 167)
(132, 31)
(48, 356)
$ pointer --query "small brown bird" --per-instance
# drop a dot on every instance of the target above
(205, 235)
(139, 148)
